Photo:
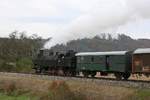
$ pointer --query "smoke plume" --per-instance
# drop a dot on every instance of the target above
(104, 16)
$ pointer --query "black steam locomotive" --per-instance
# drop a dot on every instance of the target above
(55, 63)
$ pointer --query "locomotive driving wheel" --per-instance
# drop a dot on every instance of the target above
(93, 74)
(126, 75)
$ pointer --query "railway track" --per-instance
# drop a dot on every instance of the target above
(97, 80)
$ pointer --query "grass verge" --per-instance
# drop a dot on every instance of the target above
(33, 88)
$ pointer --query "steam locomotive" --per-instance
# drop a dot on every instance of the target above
(120, 63)
(55, 63)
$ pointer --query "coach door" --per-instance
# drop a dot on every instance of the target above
(107, 62)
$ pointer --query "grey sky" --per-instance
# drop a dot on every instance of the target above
(70, 19)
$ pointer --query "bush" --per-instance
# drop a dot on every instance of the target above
(8, 87)
(59, 90)
(24, 65)
(21, 65)
(5, 66)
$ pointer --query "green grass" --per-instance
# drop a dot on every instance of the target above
(18, 97)
(143, 94)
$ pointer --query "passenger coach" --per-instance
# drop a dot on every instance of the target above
(117, 62)
(141, 61)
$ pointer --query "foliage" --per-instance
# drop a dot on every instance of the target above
(17, 51)
(59, 90)
(9, 88)
(24, 65)
(5, 66)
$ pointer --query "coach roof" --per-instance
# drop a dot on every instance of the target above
(101, 53)
(142, 50)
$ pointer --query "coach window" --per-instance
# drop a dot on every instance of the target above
(92, 59)
(78, 59)
(82, 58)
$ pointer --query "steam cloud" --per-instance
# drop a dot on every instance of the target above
(103, 16)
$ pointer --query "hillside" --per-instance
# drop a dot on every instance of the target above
(103, 43)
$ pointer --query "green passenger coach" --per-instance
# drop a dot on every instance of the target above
(116, 62)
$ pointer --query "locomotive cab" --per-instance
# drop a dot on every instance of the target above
(43, 60)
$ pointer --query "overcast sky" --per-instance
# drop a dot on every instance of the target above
(70, 19)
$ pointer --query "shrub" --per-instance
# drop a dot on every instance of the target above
(9, 87)
(24, 65)
(5, 66)
(59, 90)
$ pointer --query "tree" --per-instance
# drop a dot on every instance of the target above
(124, 37)
(103, 35)
(13, 35)
(17, 50)
(110, 37)
(22, 35)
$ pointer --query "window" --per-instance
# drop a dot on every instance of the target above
(92, 59)
(145, 59)
(82, 58)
